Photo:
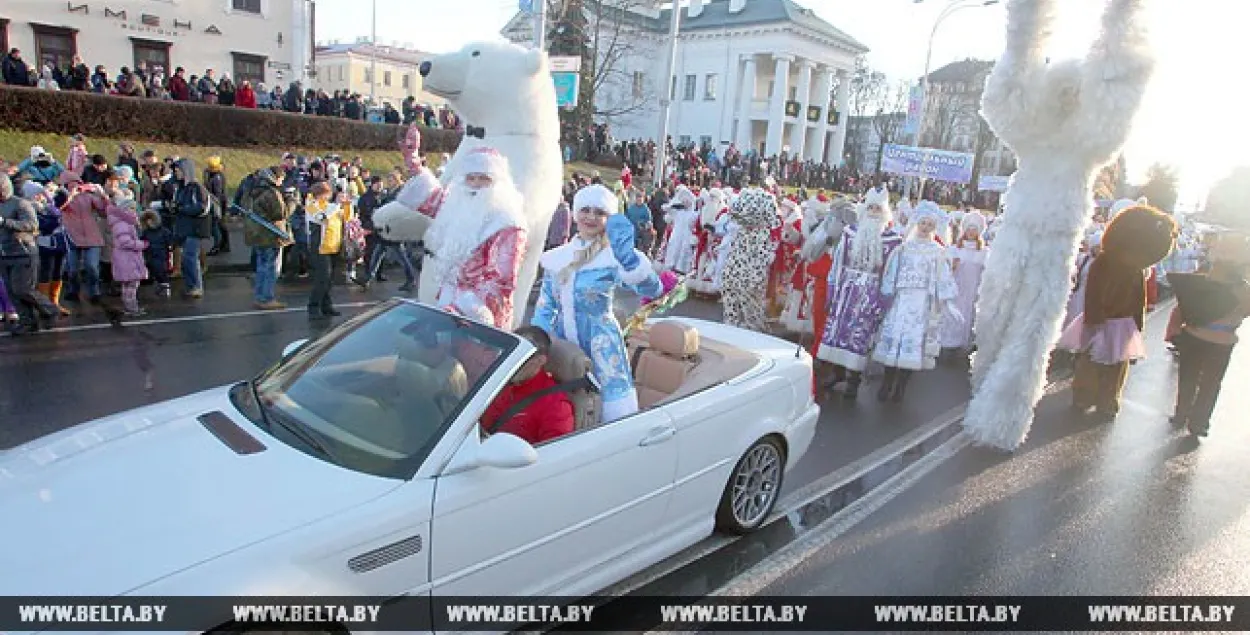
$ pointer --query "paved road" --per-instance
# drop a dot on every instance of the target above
(1133, 507)
(59, 379)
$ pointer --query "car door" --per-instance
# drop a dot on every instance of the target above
(591, 497)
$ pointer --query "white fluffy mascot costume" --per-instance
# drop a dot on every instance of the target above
(505, 95)
(1064, 121)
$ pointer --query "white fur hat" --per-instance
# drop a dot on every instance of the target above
(1123, 204)
(929, 210)
(973, 219)
(484, 161)
(596, 197)
(681, 197)
(878, 196)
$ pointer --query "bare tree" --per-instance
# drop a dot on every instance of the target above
(864, 95)
(948, 109)
(616, 36)
(890, 117)
(985, 140)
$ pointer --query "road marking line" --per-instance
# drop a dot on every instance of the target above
(192, 318)
(762, 575)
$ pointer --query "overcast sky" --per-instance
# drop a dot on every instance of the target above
(1188, 118)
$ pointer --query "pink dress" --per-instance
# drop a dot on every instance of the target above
(1113, 342)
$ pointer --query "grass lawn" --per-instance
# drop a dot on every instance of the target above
(239, 162)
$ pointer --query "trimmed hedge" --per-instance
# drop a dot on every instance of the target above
(73, 112)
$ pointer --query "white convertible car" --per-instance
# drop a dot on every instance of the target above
(356, 467)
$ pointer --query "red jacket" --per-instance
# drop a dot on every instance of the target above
(549, 417)
(245, 97)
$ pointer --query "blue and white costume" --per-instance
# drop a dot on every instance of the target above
(577, 305)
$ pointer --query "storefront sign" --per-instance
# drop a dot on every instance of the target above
(145, 23)
(927, 163)
(813, 113)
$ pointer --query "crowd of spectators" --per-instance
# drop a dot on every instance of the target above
(209, 88)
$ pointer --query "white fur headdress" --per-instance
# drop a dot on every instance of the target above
(682, 197)
(972, 219)
(929, 210)
(484, 161)
(596, 197)
(876, 196)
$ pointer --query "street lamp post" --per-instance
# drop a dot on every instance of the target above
(373, 58)
(666, 97)
(953, 7)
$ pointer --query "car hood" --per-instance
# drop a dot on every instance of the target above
(111, 505)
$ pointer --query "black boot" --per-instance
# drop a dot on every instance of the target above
(852, 385)
(887, 383)
(900, 386)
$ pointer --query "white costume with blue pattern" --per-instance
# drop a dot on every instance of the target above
(581, 311)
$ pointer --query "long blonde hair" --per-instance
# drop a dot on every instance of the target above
(584, 255)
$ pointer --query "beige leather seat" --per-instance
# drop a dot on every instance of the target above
(567, 362)
(663, 366)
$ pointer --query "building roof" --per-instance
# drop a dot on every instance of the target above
(962, 71)
(394, 54)
(716, 16)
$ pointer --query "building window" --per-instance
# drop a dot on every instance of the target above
(407, 82)
(342, 73)
(250, 6)
(386, 78)
(153, 53)
(688, 92)
(55, 46)
(794, 93)
(672, 92)
(637, 85)
(4, 35)
(683, 140)
(250, 68)
(709, 87)
(705, 141)
(772, 86)
(368, 76)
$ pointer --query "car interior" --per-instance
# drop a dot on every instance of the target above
(670, 360)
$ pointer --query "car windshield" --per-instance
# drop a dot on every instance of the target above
(376, 393)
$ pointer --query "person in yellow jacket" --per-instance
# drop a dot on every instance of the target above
(327, 218)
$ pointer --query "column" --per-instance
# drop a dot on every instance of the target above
(839, 139)
(799, 142)
(728, 98)
(824, 85)
(749, 74)
(777, 108)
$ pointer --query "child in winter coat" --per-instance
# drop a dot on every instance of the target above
(128, 267)
(160, 245)
(78, 159)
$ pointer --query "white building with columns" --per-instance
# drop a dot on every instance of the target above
(759, 74)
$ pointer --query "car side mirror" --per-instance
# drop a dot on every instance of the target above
(500, 450)
(293, 347)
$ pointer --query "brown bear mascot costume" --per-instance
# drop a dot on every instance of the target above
(1108, 336)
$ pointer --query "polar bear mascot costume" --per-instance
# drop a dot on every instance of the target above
(1064, 121)
(505, 95)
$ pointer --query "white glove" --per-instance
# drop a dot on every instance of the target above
(953, 312)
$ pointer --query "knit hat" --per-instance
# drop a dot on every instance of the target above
(596, 197)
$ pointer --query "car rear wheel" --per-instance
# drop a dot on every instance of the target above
(753, 487)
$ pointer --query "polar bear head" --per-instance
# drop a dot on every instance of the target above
(498, 86)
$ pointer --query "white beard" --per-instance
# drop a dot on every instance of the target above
(866, 246)
(465, 220)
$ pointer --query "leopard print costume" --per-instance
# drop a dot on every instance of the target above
(745, 276)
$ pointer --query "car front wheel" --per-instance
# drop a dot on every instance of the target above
(753, 487)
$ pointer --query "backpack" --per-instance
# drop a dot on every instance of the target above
(198, 204)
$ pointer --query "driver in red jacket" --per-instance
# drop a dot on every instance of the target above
(549, 416)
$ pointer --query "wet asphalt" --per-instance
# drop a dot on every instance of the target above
(1132, 507)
